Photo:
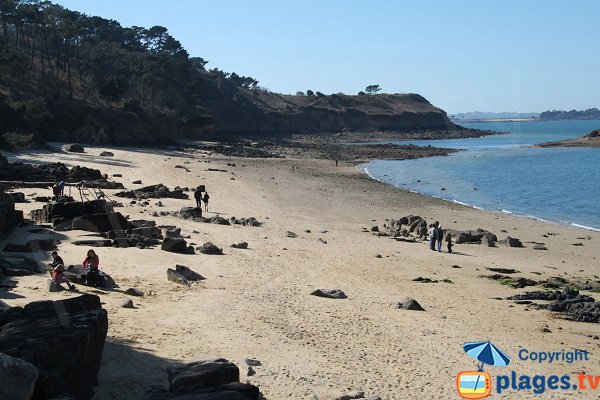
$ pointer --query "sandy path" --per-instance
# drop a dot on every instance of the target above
(256, 302)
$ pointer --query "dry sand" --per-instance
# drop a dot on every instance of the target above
(256, 303)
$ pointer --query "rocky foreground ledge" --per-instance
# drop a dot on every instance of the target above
(590, 140)
(53, 349)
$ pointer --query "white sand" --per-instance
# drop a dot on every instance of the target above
(256, 302)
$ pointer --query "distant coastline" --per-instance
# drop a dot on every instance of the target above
(590, 140)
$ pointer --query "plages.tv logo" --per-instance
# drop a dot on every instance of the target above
(478, 384)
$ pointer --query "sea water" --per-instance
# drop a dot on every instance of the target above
(501, 173)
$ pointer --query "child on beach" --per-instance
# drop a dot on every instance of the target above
(58, 267)
(449, 242)
(205, 200)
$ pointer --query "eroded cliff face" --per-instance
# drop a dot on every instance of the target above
(234, 112)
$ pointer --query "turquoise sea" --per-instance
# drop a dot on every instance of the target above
(497, 173)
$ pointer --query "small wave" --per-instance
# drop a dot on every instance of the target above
(506, 211)
(589, 228)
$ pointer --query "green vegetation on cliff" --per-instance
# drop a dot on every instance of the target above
(66, 76)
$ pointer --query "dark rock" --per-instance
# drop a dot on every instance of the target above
(375, 228)
(241, 245)
(64, 340)
(409, 304)
(159, 191)
(511, 242)
(76, 274)
(134, 292)
(9, 216)
(176, 245)
(291, 234)
(69, 210)
(93, 243)
(17, 378)
(117, 175)
(191, 213)
(504, 270)
(352, 395)
(188, 274)
(18, 197)
(209, 248)
(126, 303)
(176, 277)
(73, 148)
(138, 182)
(104, 222)
(329, 293)
(539, 246)
(486, 241)
(107, 154)
(32, 245)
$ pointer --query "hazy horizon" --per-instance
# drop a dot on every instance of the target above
(461, 56)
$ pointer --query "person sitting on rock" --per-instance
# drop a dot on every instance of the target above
(198, 197)
(91, 264)
(58, 267)
(205, 200)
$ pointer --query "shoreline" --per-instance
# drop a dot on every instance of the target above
(475, 207)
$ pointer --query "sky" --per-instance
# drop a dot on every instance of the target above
(525, 56)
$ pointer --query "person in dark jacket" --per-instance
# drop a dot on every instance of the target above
(198, 197)
(440, 238)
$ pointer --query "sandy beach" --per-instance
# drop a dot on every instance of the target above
(256, 303)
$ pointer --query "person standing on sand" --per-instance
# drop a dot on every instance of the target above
(205, 200)
(440, 238)
(198, 197)
(449, 241)
(432, 233)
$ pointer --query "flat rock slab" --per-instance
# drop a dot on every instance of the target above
(241, 245)
(409, 304)
(330, 293)
(94, 243)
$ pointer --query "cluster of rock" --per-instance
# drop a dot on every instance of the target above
(49, 173)
(195, 214)
(416, 226)
(569, 302)
(9, 217)
(52, 348)
(205, 380)
(159, 191)
(76, 274)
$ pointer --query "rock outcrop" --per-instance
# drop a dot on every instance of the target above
(63, 339)
(9, 216)
(159, 191)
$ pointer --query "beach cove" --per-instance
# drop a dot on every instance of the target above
(256, 303)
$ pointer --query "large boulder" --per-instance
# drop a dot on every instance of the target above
(17, 378)
(210, 249)
(511, 242)
(73, 148)
(66, 211)
(188, 273)
(104, 222)
(9, 216)
(191, 213)
(176, 245)
(63, 339)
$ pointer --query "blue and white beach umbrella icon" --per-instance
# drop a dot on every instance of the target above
(486, 353)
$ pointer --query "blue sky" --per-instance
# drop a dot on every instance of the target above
(461, 55)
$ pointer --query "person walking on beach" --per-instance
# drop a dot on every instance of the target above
(432, 234)
(198, 197)
(91, 263)
(205, 200)
(440, 238)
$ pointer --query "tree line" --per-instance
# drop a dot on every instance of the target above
(67, 53)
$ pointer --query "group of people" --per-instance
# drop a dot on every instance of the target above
(201, 198)
(436, 237)
(58, 188)
(91, 264)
